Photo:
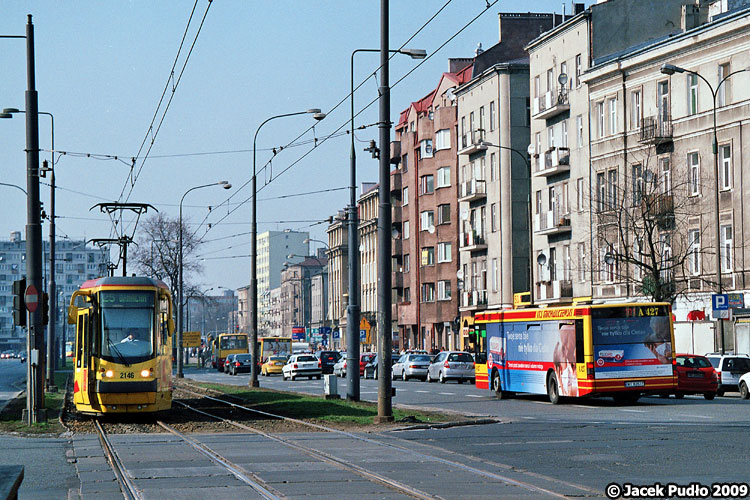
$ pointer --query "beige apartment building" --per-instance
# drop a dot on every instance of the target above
(367, 204)
(652, 145)
(338, 279)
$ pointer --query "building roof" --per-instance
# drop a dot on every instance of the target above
(424, 104)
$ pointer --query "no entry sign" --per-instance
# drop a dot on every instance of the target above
(31, 298)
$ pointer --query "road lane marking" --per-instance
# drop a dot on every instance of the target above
(585, 406)
(635, 411)
(525, 442)
(474, 396)
(447, 393)
(423, 392)
(542, 402)
(694, 416)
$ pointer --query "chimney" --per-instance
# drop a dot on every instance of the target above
(578, 8)
(693, 15)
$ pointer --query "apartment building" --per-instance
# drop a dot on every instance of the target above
(338, 278)
(423, 190)
(296, 293)
(493, 170)
(567, 126)
(367, 205)
(652, 145)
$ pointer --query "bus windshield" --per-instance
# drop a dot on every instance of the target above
(127, 326)
(276, 347)
(233, 342)
(632, 341)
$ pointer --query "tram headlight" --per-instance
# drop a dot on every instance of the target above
(109, 374)
(146, 373)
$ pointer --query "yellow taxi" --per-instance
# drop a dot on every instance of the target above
(273, 365)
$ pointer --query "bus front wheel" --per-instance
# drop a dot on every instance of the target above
(553, 389)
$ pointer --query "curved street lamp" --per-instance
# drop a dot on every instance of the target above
(317, 115)
(226, 185)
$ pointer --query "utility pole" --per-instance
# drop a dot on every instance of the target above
(35, 411)
(385, 338)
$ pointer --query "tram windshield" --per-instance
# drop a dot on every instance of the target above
(127, 326)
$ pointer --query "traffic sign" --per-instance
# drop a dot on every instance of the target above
(191, 339)
(719, 302)
(31, 298)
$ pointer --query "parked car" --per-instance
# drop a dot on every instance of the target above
(228, 361)
(364, 358)
(241, 363)
(729, 368)
(339, 369)
(305, 365)
(456, 365)
(745, 386)
(327, 360)
(371, 368)
(273, 364)
(695, 375)
(412, 366)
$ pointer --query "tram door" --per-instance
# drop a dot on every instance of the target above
(84, 374)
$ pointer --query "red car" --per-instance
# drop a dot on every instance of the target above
(364, 358)
(695, 375)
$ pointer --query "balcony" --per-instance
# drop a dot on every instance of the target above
(656, 130)
(397, 279)
(475, 189)
(556, 160)
(658, 204)
(396, 180)
(551, 222)
(474, 299)
(473, 242)
(554, 290)
(396, 211)
(552, 103)
(395, 152)
(396, 246)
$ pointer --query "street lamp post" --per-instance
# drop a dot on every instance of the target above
(353, 308)
(670, 69)
(226, 185)
(254, 247)
(51, 284)
(483, 145)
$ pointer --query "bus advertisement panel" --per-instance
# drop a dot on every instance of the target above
(632, 342)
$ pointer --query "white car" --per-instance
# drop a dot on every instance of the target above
(745, 386)
(302, 365)
(729, 368)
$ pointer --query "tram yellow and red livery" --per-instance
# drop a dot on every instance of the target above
(123, 345)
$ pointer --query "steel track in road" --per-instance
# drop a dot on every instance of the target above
(417, 454)
(129, 491)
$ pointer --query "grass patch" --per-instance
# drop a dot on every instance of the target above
(10, 418)
(318, 409)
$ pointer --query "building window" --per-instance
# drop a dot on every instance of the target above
(463, 132)
(637, 177)
(581, 262)
(600, 119)
(551, 136)
(601, 190)
(427, 220)
(552, 264)
(579, 194)
(443, 177)
(662, 95)
(692, 82)
(613, 116)
(444, 290)
(406, 229)
(405, 163)
(428, 292)
(726, 166)
(494, 275)
(579, 131)
(444, 214)
(405, 199)
(721, 94)
(427, 184)
(726, 248)
(612, 189)
(579, 69)
(537, 86)
(425, 148)
(565, 199)
(492, 116)
(635, 109)
(481, 123)
(694, 259)
(550, 80)
(538, 203)
(442, 139)
(428, 256)
(564, 125)
(665, 174)
(407, 294)
(694, 171)
(493, 167)
(566, 262)
(472, 128)
(444, 252)
(493, 217)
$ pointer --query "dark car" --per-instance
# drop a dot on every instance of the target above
(241, 363)
(695, 375)
(371, 368)
(327, 360)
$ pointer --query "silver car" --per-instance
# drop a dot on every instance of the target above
(455, 365)
(411, 366)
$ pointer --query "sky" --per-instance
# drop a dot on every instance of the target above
(103, 67)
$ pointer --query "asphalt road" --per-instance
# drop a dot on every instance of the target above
(12, 379)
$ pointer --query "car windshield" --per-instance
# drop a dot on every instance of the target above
(306, 358)
(420, 357)
(463, 357)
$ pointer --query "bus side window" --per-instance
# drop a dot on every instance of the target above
(579, 342)
(79, 341)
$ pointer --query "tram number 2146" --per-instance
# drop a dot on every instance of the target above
(127, 375)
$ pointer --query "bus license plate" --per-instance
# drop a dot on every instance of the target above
(635, 383)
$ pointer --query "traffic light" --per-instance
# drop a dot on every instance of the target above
(45, 308)
(19, 305)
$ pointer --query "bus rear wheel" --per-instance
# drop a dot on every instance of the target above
(553, 389)
(497, 386)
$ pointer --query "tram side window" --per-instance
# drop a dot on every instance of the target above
(79, 342)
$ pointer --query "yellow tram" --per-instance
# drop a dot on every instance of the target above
(123, 345)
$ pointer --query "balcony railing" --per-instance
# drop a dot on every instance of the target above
(551, 103)
(556, 160)
(551, 290)
(656, 129)
(396, 180)
(552, 222)
(396, 246)
(473, 189)
(473, 241)
(474, 298)
(658, 204)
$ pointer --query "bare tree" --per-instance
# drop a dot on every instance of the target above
(647, 230)
(158, 254)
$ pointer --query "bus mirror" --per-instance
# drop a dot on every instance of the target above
(164, 304)
(72, 315)
(170, 325)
